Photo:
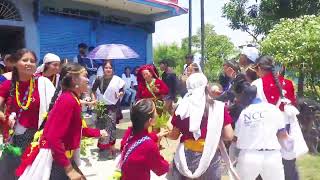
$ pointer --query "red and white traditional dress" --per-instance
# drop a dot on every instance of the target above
(267, 91)
(61, 138)
(28, 120)
(144, 91)
(144, 158)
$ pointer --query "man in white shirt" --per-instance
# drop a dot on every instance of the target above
(257, 130)
(131, 81)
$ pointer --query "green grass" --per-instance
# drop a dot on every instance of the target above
(309, 167)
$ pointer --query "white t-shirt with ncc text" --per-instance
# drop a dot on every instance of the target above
(258, 125)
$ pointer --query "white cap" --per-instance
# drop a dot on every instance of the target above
(48, 58)
(252, 53)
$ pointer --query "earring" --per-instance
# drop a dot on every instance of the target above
(77, 86)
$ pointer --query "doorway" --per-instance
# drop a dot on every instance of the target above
(11, 39)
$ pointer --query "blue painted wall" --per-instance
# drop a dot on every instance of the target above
(61, 35)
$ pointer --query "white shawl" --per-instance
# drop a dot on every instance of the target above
(290, 112)
(193, 103)
(109, 96)
(46, 91)
(214, 127)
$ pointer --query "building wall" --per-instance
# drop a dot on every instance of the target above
(28, 23)
(61, 35)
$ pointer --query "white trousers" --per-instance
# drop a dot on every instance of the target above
(268, 164)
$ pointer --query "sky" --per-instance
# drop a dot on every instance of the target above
(176, 28)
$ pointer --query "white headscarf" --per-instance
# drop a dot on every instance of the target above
(252, 53)
(193, 103)
(49, 57)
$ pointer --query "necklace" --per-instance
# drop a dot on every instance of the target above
(76, 98)
(28, 94)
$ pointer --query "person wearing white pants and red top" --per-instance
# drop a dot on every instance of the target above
(258, 128)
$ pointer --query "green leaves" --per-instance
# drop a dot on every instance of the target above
(217, 49)
(296, 43)
(259, 19)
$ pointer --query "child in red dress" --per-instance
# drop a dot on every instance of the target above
(140, 152)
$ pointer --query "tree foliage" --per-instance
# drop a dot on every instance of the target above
(217, 49)
(296, 43)
(171, 52)
(257, 19)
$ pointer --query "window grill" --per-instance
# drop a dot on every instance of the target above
(8, 11)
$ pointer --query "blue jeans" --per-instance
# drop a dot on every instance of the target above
(130, 95)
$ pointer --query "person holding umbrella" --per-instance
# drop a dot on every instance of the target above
(108, 90)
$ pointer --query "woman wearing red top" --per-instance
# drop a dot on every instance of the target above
(61, 136)
(279, 91)
(145, 156)
(26, 98)
(50, 68)
(201, 121)
(149, 84)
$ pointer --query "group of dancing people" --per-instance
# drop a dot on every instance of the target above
(251, 112)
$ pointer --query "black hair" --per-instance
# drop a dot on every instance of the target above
(232, 64)
(140, 113)
(82, 45)
(251, 74)
(189, 56)
(15, 57)
(65, 82)
(267, 63)
(91, 48)
(247, 95)
(165, 62)
(127, 67)
(107, 62)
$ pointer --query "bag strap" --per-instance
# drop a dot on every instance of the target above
(132, 147)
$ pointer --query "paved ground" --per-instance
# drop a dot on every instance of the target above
(98, 166)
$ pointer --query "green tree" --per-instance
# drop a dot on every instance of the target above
(217, 49)
(296, 43)
(171, 52)
(258, 19)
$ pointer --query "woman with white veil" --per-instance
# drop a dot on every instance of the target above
(202, 121)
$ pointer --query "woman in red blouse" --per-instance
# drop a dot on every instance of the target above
(59, 145)
(149, 84)
(25, 98)
(201, 121)
(279, 91)
(145, 155)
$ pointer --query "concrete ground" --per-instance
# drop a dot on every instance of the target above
(97, 166)
(100, 165)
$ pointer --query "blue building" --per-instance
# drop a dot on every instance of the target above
(58, 26)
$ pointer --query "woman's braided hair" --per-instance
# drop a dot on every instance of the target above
(267, 63)
(65, 83)
(15, 57)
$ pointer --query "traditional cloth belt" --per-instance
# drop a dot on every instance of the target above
(194, 145)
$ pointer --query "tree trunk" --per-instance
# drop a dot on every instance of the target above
(300, 84)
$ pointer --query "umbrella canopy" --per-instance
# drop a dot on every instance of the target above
(113, 51)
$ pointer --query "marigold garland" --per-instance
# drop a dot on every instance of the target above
(31, 88)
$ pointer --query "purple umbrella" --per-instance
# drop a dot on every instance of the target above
(113, 51)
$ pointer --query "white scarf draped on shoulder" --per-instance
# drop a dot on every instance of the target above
(192, 106)
(109, 96)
